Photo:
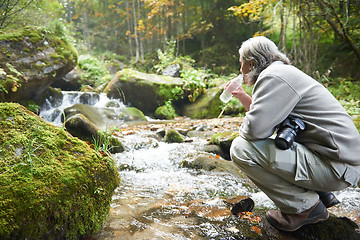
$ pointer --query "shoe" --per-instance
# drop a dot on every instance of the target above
(292, 222)
(328, 199)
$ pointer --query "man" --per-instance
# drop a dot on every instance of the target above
(325, 156)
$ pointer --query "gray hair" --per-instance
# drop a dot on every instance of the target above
(262, 52)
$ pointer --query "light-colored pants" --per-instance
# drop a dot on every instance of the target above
(288, 177)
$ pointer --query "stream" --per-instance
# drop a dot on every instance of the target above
(159, 199)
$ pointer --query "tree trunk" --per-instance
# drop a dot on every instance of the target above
(140, 34)
(129, 28)
(137, 52)
(337, 25)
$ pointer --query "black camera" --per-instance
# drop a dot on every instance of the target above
(288, 131)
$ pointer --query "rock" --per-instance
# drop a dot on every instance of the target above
(79, 126)
(215, 149)
(53, 185)
(205, 106)
(116, 146)
(224, 140)
(172, 70)
(200, 134)
(131, 114)
(143, 91)
(32, 59)
(165, 112)
(54, 96)
(213, 163)
(70, 82)
(173, 136)
(93, 114)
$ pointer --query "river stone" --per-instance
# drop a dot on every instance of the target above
(213, 163)
(93, 114)
(32, 59)
(79, 126)
(53, 185)
(173, 136)
(132, 114)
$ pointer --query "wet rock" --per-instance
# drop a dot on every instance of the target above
(173, 136)
(215, 149)
(89, 98)
(132, 114)
(53, 95)
(205, 106)
(212, 163)
(116, 145)
(79, 126)
(93, 114)
(224, 140)
(70, 82)
(200, 134)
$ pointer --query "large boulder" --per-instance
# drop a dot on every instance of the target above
(31, 59)
(143, 91)
(53, 185)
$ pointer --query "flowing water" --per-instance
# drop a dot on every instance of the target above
(52, 110)
(159, 199)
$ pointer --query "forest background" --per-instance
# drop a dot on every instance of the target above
(321, 37)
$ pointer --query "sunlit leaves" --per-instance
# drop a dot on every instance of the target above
(252, 9)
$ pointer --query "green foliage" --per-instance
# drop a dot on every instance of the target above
(170, 93)
(102, 142)
(195, 80)
(94, 72)
(346, 91)
(60, 29)
(10, 79)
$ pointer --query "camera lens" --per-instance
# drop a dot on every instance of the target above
(285, 138)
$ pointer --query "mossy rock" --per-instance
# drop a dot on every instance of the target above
(141, 90)
(31, 59)
(173, 136)
(224, 140)
(207, 105)
(79, 126)
(132, 114)
(53, 185)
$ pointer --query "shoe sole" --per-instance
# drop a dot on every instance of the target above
(309, 221)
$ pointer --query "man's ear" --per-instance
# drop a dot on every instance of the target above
(251, 64)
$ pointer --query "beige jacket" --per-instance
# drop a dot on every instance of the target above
(330, 132)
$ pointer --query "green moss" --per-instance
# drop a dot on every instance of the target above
(227, 135)
(173, 136)
(166, 111)
(54, 186)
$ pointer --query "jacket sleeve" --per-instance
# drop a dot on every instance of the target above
(272, 101)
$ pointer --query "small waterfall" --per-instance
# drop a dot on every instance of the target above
(53, 108)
